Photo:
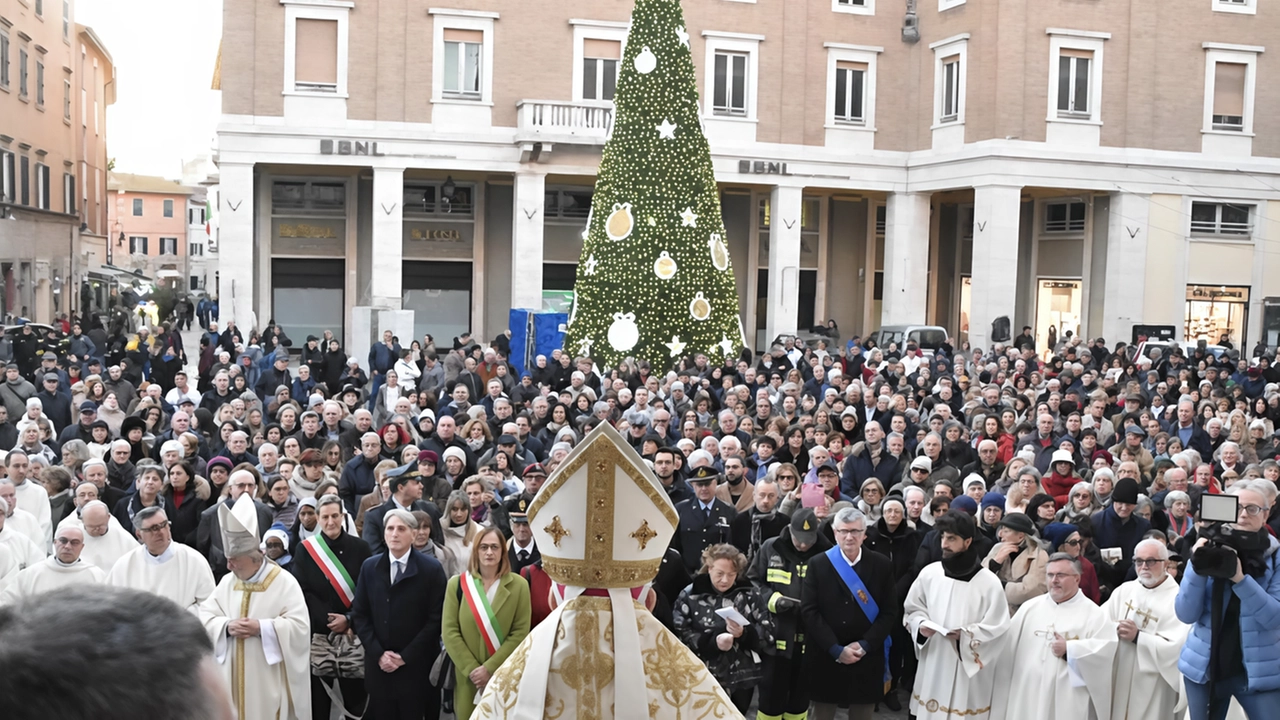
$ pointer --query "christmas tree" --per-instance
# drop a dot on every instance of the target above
(654, 282)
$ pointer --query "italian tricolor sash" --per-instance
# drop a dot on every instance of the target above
(320, 551)
(484, 616)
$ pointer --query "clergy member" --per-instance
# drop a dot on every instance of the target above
(23, 548)
(104, 544)
(19, 520)
(161, 566)
(257, 620)
(1034, 667)
(1141, 661)
(64, 569)
(32, 496)
(957, 615)
(599, 654)
(8, 566)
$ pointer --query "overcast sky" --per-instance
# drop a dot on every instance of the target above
(164, 51)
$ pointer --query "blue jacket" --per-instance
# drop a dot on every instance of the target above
(1259, 624)
(858, 467)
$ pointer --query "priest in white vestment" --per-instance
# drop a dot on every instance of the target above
(163, 567)
(24, 549)
(1140, 661)
(257, 619)
(602, 524)
(64, 569)
(20, 520)
(32, 496)
(1033, 676)
(8, 565)
(103, 546)
(957, 615)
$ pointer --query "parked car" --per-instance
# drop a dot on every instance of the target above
(1146, 348)
(928, 337)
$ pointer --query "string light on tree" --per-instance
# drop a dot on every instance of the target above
(655, 277)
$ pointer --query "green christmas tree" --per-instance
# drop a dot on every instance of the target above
(655, 282)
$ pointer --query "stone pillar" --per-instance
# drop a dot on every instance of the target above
(527, 239)
(236, 300)
(1124, 286)
(906, 259)
(387, 257)
(785, 205)
(997, 210)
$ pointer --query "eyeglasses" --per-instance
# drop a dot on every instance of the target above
(852, 532)
(1141, 562)
(787, 477)
(72, 542)
(1055, 576)
(1072, 543)
(1252, 510)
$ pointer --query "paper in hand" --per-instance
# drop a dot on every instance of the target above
(935, 627)
(730, 613)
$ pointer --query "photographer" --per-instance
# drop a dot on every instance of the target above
(1230, 595)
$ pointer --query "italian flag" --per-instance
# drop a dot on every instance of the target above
(483, 615)
(320, 551)
(208, 217)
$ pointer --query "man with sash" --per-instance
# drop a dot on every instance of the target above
(257, 620)
(326, 566)
(160, 565)
(956, 613)
(849, 606)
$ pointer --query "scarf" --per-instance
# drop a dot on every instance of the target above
(476, 444)
(873, 451)
(757, 532)
(964, 565)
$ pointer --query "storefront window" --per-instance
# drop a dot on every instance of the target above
(1217, 310)
(1057, 311)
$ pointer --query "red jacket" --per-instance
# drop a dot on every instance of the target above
(1059, 486)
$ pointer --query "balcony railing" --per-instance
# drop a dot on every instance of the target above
(557, 121)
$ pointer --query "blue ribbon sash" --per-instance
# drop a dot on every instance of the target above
(858, 589)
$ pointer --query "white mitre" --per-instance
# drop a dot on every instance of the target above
(239, 526)
(602, 521)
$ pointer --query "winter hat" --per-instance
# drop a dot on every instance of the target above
(965, 503)
(993, 499)
(1062, 456)
(1036, 501)
(1126, 491)
(1018, 522)
(456, 452)
(1056, 534)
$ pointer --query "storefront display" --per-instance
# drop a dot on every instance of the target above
(1217, 310)
(1057, 311)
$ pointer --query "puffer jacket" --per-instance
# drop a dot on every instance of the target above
(778, 571)
(696, 622)
(1259, 624)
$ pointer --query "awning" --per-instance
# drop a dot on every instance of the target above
(111, 271)
(167, 273)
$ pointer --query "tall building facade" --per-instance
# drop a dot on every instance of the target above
(150, 219)
(1073, 165)
(56, 80)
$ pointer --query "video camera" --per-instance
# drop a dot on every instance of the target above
(1217, 558)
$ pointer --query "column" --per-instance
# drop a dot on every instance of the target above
(387, 257)
(996, 213)
(785, 205)
(1124, 285)
(235, 245)
(906, 259)
(527, 240)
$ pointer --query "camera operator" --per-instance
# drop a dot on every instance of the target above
(1230, 594)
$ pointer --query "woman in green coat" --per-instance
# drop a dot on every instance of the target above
(486, 615)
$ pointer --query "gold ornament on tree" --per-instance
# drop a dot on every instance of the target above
(700, 308)
(620, 222)
(719, 253)
(664, 267)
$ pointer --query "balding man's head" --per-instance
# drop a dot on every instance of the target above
(96, 518)
(241, 482)
(68, 542)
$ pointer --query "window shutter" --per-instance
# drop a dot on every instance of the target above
(1228, 88)
(464, 36)
(602, 49)
(316, 51)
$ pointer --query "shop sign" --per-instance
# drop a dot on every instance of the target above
(349, 147)
(762, 167)
(321, 237)
(435, 235)
(438, 240)
(303, 230)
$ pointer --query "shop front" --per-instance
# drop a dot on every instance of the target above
(438, 249)
(308, 256)
(1214, 311)
(1058, 307)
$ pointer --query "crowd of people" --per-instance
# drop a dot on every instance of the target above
(859, 526)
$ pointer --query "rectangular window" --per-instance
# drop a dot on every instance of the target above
(22, 73)
(430, 199)
(168, 246)
(138, 245)
(854, 7)
(568, 203)
(1228, 96)
(600, 60)
(729, 95)
(39, 84)
(66, 99)
(320, 198)
(462, 53)
(850, 94)
(1221, 219)
(168, 208)
(4, 60)
(66, 19)
(26, 180)
(1063, 217)
(194, 283)
(8, 186)
(40, 8)
(69, 193)
(137, 207)
(1245, 7)
(950, 89)
(195, 249)
(42, 186)
(1074, 67)
(852, 3)
(316, 55)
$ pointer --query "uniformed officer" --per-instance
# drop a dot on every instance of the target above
(522, 550)
(534, 476)
(704, 520)
(778, 571)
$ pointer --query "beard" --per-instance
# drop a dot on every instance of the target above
(948, 554)
(1152, 580)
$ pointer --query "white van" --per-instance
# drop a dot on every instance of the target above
(928, 337)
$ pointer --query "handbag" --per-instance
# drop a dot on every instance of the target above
(337, 655)
(442, 676)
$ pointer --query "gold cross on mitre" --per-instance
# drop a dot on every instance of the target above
(611, 520)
